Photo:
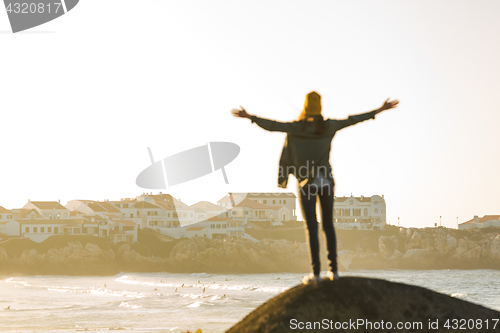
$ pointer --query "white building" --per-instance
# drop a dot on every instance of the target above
(122, 231)
(92, 208)
(10, 228)
(360, 212)
(5, 214)
(251, 210)
(213, 228)
(151, 216)
(126, 207)
(211, 209)
(282, 205)
(481, 222)
(49, 209)
(39, 230)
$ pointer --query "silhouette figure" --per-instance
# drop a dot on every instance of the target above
(306, 155)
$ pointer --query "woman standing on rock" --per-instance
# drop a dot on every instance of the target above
(306, 155)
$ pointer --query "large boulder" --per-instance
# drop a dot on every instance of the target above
(362, 305)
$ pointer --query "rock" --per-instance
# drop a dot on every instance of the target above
(31, 257)
(396, 255)
(4, 257)
(462, 246)
(241, 255)
(352, 298)
(385, 246)
(451, 241)
(490, 248)
(418, 254)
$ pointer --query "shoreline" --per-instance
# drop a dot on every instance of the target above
(393, 248)
(5, 275)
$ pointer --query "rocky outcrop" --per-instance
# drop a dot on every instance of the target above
(74, 259)
(396, 248)
(3, 256)
(240, 255)
(432, 248)
(363, 305)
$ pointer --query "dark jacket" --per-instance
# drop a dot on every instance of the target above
(304, 152)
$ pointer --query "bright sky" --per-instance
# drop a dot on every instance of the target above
(83, 96)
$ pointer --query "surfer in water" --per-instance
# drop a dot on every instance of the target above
(306, 155)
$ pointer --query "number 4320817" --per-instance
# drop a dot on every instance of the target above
(32, 8)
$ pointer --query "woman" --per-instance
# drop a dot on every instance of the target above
(306, 155)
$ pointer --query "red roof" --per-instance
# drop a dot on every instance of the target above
(3, 210)
(25, 213)
(144, 204)
(48, 205)
(207, 206)
(195, 228)
(252, 204)
(125, 222)
(220, 219)
(103, 206)
(485, 218)
(164, 205)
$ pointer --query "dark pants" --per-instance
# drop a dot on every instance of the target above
(307, 199)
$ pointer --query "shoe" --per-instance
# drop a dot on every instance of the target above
(310, 279)
(332, 275)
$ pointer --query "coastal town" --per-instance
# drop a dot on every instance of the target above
(120, 220)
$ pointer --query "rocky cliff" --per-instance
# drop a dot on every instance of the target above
(366, 305)
(395, 248)
(432, 248)
(240, 256)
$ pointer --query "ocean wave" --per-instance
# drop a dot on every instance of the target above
(195, 305)
(130, 305)
(103, 292)
(215, 286)
(201, 274)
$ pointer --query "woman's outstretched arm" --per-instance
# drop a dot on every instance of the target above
(354, 119)
(267, 124)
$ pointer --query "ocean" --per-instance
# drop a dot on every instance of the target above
(164, 302)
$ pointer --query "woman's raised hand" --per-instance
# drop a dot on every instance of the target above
(242, 113)
(388, 105)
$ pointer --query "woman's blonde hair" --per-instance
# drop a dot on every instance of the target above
(312, 112)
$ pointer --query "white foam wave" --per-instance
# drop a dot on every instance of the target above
(101, 291)
(195, 305)
(129, 305)
(201, 274)
(215, 286)
(24, 283)
(194, 296)
(126, 279)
